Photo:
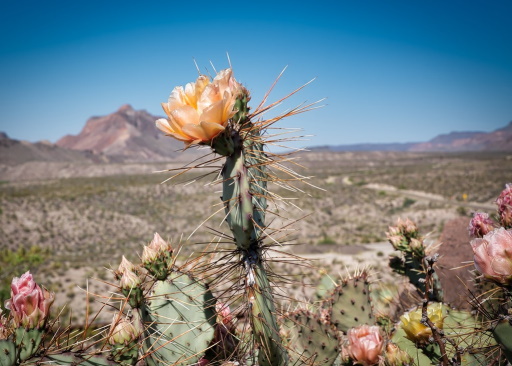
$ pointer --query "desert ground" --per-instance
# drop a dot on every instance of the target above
(83, 218)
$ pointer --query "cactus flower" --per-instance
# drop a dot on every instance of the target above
(122, 331)
(480, 225)
(29, 303)
(365, 345)
(504, 202)
(493, 255)
(415, 330)
(200, 111)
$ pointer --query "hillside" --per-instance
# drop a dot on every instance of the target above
(125, 135)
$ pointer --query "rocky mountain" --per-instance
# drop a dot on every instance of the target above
(15, 152)
(125, 135)
(498, 140)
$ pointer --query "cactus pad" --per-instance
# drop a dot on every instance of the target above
(7, 353)
(180, 317)
(310, 341)
(349, 304)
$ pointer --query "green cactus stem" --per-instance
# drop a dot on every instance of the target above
(244, 196)
(264, 324)
(7, 353)
(503, 334)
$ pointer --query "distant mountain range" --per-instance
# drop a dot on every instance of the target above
(498, 140)
(128, 135)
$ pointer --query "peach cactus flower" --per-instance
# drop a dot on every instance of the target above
(29, 303)
(200, 111)
(493, 255)
(365, 345)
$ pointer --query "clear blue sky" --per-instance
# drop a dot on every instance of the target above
(393, 71)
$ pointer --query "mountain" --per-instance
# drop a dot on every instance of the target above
(15, 152)
(125, 135)
(498, 140)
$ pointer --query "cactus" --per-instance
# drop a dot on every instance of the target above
(349, 304)
(311, 341)
(28, 342)
(179, 316)
(69, 358)
(8, 353)
(503, 334)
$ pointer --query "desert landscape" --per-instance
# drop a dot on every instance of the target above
(82, 217)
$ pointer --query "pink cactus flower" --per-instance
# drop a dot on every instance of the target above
(223, 313)
(365, 345)
(29, 304)
(504, 203)
(129, 280)
(480, 225)
(493, 255)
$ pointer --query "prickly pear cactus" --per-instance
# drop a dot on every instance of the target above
(349, 304)
(7, 353)
(66, 359)
(310, 340)
(179, 314)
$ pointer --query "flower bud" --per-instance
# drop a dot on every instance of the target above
(129, 280)
(409, 228)
(149, 255)
(396, 357)
(480, 225)
(417, 247)
(504, 203)
(365, 345)
(493, 255)
(397, 241)
(29, 303)
(160, 245)
(122, 332)
(126, 265)
(415, 330)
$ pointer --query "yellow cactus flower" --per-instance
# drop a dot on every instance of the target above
(200, 111)
(415, 330)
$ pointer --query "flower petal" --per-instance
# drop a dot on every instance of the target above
(185, 115)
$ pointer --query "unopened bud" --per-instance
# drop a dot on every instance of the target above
(122, 332)
(129, 280)
(149, 255)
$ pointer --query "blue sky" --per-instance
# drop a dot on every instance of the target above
(392, 71)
